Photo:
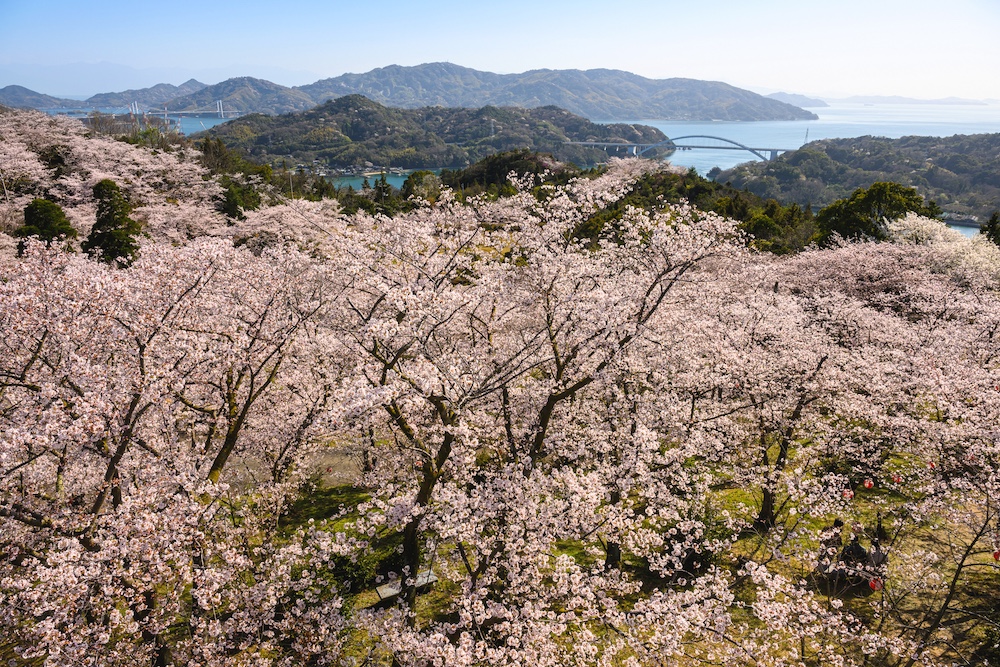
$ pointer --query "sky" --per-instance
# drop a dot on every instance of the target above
(828, 48)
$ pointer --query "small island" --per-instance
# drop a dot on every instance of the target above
(356, 132)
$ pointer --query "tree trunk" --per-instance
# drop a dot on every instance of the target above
(765, 519)
(613, 551)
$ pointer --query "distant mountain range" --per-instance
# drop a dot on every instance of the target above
(148, 98)
(798, 100)
(806, 102)
(896, 99)
(598, 94)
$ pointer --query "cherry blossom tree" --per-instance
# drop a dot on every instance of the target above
(625, 451)
(55, 157)
(126, 396)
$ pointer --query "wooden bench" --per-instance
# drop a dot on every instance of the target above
(391, 590)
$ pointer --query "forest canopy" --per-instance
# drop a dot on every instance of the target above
(960, 173)
(351, 131)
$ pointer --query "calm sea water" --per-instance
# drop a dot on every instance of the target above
(356, 182)
(198, 124)
(836, 121)
(187, 124)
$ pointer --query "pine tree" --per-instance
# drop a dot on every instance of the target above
(865, 212)
(114, 237)
(47, 221)
(991, 229)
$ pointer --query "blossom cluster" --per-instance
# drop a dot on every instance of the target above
(627, 451)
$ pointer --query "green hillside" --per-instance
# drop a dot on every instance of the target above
(353, 131)
(244, 94)
(961, 173)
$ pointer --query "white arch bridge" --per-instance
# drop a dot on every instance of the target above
(687, 144)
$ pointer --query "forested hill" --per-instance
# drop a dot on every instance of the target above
(21, 97)
(353, 130)
(599, 94)
(961, 173)
(245, 94)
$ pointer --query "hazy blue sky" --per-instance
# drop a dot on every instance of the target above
(917, 48)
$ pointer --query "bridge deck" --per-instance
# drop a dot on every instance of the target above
(604, 144)
(671, 144)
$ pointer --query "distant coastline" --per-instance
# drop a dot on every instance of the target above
(896, 99)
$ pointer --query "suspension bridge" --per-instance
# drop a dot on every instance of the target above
(218, 110)
(134, 109)
(685, 143)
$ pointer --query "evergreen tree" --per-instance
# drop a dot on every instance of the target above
(386, 202)
(237, 198)
(47, 221)
(424, 184)
(114, 237)
(991, 229)
(866, 211)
